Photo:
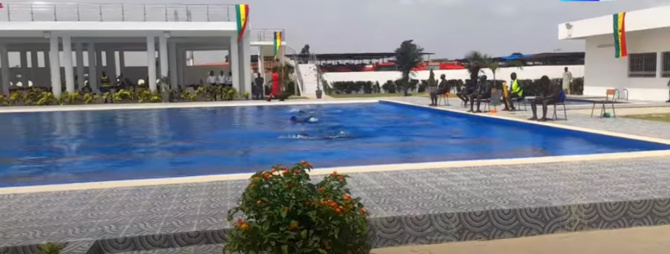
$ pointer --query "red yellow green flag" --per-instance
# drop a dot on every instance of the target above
(620, 35)
(277, 43)
(242, 19)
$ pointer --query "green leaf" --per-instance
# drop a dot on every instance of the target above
(303, 234)
(284, 249)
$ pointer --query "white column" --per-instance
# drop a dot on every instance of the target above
(92, 67)
(163, 55)
(79, 52)
(98, 67)
(67, 64)
(659, 64)
(261, 62)
(151, 62)
(54, 65)
(181, 60)
(4, 62)
(245, 62)
(234, 62)
(23, 55)
(172, 62)
(110, 59)
(122, 61)
(34, 67)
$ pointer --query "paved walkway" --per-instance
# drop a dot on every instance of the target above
(622, 241)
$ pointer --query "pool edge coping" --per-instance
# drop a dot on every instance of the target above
(366, 168)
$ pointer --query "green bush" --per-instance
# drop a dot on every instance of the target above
(47, 98)
(367, 87)
(50, 248)
(376, 88)
(389, 87)
(284, 212)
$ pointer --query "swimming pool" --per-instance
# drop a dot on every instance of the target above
(85, 146)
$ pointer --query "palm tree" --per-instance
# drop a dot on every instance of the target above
(407, 57)
(476, 61)
(493, 65)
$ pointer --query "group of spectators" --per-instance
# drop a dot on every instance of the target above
(478, 89)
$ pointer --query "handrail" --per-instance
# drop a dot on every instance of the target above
(115, 12)
(299, 81)
(625, 92)
(265, 34)
(319, 75)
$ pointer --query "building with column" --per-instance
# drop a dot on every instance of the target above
(644, 73)
(69, 43)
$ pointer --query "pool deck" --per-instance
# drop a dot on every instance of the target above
(410, 204)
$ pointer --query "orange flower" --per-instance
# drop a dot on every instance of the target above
(259, 202)
(309, 165)
(296, 171)
(347, 197)
(338, 211)
(256, 178)
(307, 203)
(266, 176)
(333, 174)
(239, 221)
(253, 185)
(363, 211)
(293, 225)
(285, 172)
(303, 162)
(274, 170)
(282, 167)
(333, 205)
(341, 178)
(285, 209)
(245, 226)
(321, 189)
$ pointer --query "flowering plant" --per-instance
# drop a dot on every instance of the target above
(283, 212)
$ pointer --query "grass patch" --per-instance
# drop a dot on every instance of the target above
(652, 117)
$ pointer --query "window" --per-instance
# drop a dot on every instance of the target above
(642, 65)
(665, 71)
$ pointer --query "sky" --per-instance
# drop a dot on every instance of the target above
(448, 28)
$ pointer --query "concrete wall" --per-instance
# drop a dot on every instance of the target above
(603, 71)
(529, 72)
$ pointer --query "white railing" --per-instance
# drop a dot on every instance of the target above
(288, 51)
(115, 12)
(266, 34)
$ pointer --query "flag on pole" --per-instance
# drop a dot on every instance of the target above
(1, 6)
(242, 19)
(620, 35)
(277, 43)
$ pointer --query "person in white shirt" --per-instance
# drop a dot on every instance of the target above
(229, 79)
(567, 79)
(221, 79)
(211, 80)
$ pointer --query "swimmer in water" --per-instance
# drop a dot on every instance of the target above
(308, 119)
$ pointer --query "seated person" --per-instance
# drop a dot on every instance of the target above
(443, 88)
(482, 92)
(464, 94)
(549, 94)
(515, 92)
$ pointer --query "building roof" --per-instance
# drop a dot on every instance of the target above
(356, 56)
(639, 20)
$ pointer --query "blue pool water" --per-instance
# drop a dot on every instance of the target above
(64, 147)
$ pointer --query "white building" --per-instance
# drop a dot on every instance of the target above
(58, 42)
(646, 70)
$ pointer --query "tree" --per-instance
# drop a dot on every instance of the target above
(493, 65)
(431, 79)
(476, 61)
(407, 57)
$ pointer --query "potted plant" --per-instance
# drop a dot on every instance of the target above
(246, 95)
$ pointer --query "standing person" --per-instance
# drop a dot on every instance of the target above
(229, 79)
(221, 79)
(443, 88)
(549, 93)
(211, 79)
(567, 79)
(258, 86)
(276, 91)
(106, 85)
(212, 88)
